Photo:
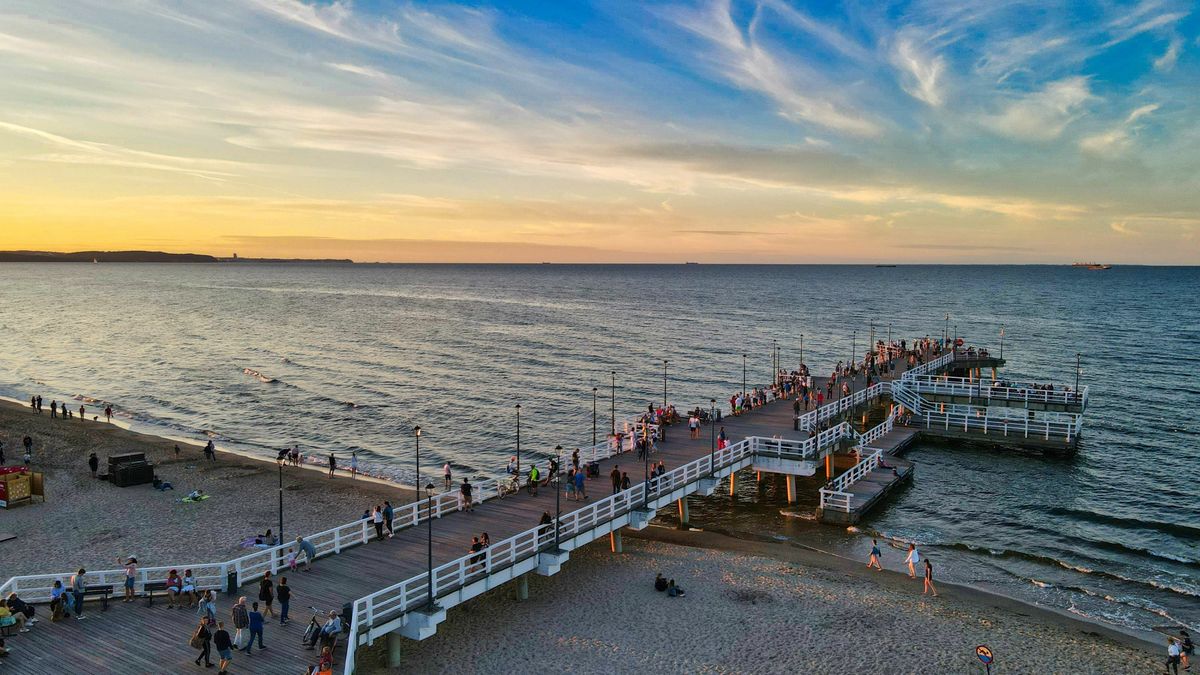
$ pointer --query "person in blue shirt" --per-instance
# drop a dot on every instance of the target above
(256, 628)
(580, 479)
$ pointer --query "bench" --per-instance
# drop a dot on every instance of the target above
(150, 587)
(103, 591)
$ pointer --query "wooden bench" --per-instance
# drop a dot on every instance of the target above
(102, 591)
(150, 588)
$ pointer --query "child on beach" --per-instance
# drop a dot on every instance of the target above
(874, 560)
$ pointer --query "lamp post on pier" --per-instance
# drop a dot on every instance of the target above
(614, 403)
(775, 361)
(853, 348)
(1001, 342)
(280, 502)
(743, 374)
(664, 385)
(417, 435)
(712, 437)
(1077, 370)
(946, 329)
(802, 349)
(594, 390)
(518, 441)
(429, 539)
(557, 494)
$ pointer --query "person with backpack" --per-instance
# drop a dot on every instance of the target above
(202, 640)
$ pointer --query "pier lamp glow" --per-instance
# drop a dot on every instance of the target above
(594, 390)
(518, 442)
(417, 435)
(557, 493)
(429, 538)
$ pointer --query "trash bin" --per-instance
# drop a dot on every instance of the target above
(231, 583)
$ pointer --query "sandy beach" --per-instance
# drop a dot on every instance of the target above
(753, 607)
(91, 522)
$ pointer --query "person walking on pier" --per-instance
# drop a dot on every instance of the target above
(615, 477)
(389, 514)
(625, 480)
(241, 621)
(256, 628)
(202, 640)
(875, 554)
(266, 594)
(224, 648)
(912, 559)
(464, 496)
(285, 598)
(581, 484)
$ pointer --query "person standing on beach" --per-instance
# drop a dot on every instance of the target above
(447, 475)
(33, 404)
(874, 560)
(108, 414)
(1174, 655)
(53, 409)
(332, 464)
(913, 559)
(28, 443)
(82, 413)
(285, 598)
(93, 463)
(177, 452)
(39, 404)
(353, 465)
(615, 477)
(1187, 648)
(210, 451)
(929, 579)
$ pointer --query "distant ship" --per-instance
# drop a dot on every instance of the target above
(1092, 266)
(691, 263)
(885, 265)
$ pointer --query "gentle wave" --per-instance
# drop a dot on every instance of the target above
(1126, 522)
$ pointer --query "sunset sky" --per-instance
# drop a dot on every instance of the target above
(944, 131)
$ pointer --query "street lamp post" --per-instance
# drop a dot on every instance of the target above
(614, 403)
(518, 441)
(802, 349)
(594, 390)
(429, 549)
(946, 329)
(712, 436)
(281, 502)
(743, 374)
(664, 385)
(1002, 341)
(1077, 370)
(775, 361)
(557, 494)
(853, 348)
(646, 459)
(417, 435)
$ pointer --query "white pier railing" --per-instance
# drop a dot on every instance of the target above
(987, 390)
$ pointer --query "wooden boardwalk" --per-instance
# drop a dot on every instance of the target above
(134, 638)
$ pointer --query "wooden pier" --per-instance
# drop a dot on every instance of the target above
(388, 585)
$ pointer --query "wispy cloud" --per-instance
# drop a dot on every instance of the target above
(1042, 115)
(1118, 139)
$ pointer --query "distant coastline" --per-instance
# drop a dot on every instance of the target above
(149, 257)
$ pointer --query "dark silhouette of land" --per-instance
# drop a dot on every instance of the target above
(143, 257)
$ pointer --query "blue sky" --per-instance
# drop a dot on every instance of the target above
(719, 131)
